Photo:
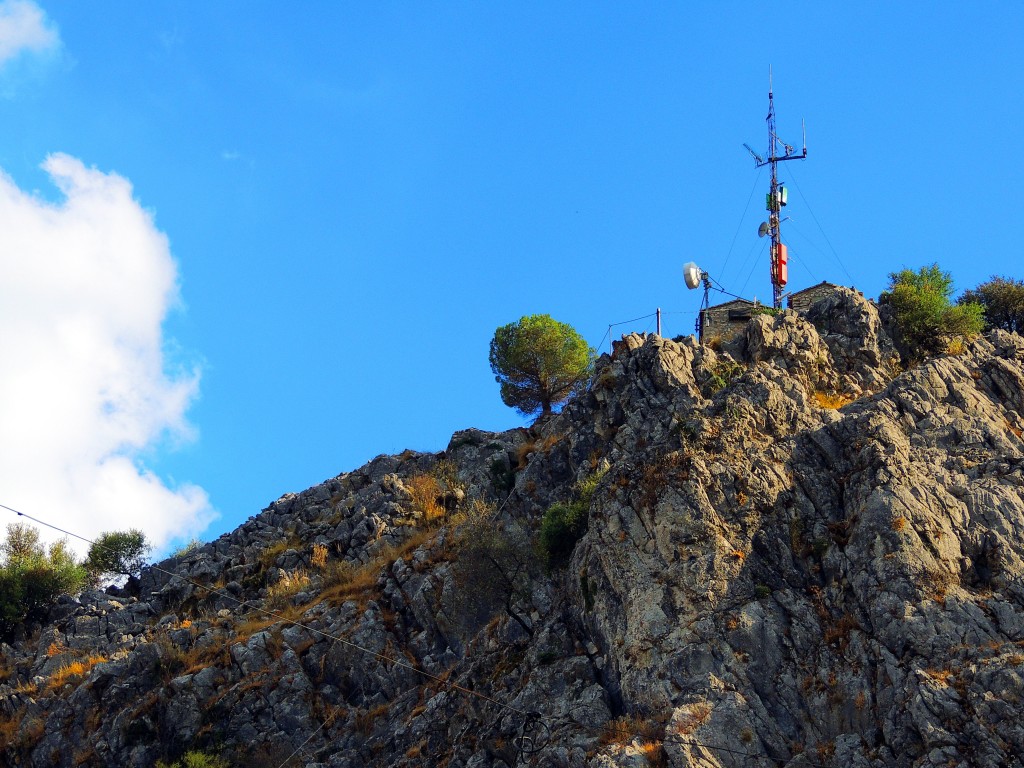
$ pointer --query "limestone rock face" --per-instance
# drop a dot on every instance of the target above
(765, 579)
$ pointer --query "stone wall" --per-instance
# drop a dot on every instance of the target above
(801, 301)
(723, 322)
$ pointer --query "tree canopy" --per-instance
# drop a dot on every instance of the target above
(926, 319)
(1002, 301)
(117, 553)
(539, 363)
(32, 577)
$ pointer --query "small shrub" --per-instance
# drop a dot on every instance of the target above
(761, 591)
(188, 548)
(268, 556)
(926, 321)
(899, 523)
(563, 525)
(503, 476)
(565, 522)
(195, 759)
(722, 372)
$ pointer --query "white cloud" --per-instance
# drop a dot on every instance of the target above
(24, 29)
(85, 285)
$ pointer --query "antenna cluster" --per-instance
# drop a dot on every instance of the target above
(776, 199)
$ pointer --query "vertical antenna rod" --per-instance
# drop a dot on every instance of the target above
(778, 151)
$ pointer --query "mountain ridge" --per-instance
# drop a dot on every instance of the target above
(796, 553)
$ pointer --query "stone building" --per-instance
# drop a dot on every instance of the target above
(722, 322)
(801, 301)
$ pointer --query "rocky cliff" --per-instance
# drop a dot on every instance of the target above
(795, 554)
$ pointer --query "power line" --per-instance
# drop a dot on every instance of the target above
(742, 217)
(822, 230)
(750, 274)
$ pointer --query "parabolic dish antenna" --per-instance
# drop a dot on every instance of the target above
(691, 274)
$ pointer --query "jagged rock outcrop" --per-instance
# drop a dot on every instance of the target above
(796, 555)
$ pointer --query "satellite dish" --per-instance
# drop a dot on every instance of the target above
(692, 274)
(763, 229)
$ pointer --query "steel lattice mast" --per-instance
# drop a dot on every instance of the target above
(778, 151)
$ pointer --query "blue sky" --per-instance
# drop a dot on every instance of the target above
(321, 212)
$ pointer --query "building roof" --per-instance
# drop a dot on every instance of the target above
(822, 284)
(731, 302)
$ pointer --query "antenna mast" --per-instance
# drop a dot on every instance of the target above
(778, 151)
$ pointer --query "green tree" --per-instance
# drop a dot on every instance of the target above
(1002, 300)
(32, 577)
(925, 318)
(117, 553)
(539, 363)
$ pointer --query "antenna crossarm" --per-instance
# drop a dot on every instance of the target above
(770, 160)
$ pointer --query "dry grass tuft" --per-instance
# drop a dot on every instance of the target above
(268, 556)
(74, 670)
(831, 401)
(942, 676)
(425, 495)
(624, 730)
(695, 716)
(9, 727)
(535, 446)
(289, 585)
(654, 754)
(365, 719)
(319, 557)
(56, 649)
(956, 346)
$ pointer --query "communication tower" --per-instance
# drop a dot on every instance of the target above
(778, 152)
